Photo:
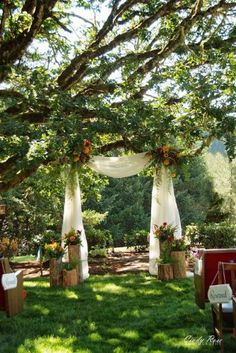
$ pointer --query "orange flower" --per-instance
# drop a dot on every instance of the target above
(86, 149)
(173, 175)
(166, 162)
(76, 158)
(165, 148)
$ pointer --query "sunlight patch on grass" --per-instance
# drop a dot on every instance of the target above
(131, 334)
(92, 326)
(111, 288)
(175, 287)
(41, 309)
(70, 294)
(38, 284)
(113, 341)
(145, 292)
(99, 297)
(48, 344)
(118, 350)
(95, 337)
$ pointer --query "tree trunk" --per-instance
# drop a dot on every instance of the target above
(74, 256)
(179, 265)
(165, 272)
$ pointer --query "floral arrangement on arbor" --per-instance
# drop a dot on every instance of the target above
(73, 237)
(53, 250)
(168, 157)
(84, 155)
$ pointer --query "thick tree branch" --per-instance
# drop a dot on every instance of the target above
(14, 48)
(11, 94)
(75, 71)
(5, 14)
(177, 39)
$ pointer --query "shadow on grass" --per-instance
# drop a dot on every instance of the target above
(109, 314)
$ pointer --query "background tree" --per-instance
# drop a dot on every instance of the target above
(138, 74)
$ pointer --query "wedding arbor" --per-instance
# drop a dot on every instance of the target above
(163, 204)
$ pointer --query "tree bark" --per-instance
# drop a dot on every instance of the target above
(165, 272)
(178, 263)
(74, 255)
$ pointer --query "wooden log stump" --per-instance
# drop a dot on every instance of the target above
(55, 273)
(179, 264)
(74, 256)
(165, 272)
(70, 278)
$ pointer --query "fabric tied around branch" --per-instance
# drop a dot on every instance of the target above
(120, 167)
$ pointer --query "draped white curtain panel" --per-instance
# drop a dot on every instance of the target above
(163, 206)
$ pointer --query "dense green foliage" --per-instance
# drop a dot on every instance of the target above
(123, 74)
(213, 235)
(110, 314)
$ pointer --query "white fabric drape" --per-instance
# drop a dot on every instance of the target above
(120, 167)
(163, 209)
(72, 218)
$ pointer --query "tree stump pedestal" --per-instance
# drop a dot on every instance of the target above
(70, 278)
(74, 256)
(165, 272)
(179, 264)
(55, 273)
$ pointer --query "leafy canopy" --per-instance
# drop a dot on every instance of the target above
(128, 74)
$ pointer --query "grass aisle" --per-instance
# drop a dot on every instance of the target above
(109, 314)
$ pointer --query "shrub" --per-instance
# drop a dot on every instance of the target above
(212, 235)
(8, 247)
(98, 237)
(137, 239)
(96, 251)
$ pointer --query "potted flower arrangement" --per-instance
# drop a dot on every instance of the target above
(54, 252)
(165, 234)
(73, 237)
(73, 241)
(69, 273)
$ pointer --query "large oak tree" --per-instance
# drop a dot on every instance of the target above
(125, 74)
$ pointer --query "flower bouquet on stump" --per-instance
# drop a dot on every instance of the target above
(72, 240)
(69, 274)
(54, 253)
(165, 234)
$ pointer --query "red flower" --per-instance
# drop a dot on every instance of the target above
(86, 143)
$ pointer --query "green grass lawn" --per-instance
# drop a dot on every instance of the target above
(110, 314)
(24, 258)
